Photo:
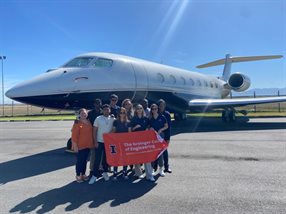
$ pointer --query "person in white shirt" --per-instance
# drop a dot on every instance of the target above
(102, 124)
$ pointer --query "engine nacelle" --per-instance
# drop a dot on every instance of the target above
(239, 82)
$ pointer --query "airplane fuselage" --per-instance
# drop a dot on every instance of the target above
(74, 86)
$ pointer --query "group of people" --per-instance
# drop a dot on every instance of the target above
(88, 142)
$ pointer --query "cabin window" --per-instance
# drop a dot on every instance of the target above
(212, 85)
(199, 83)
(160, 77)
(192, 82)
(216, 85)
(79, 62)
(206, 83)
(102, 62)
(183, 80)
(173, 79)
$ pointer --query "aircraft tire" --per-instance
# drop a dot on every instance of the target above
(180, 116)
(69, 144)
(231, 115)
(224, 116)
(228, 116)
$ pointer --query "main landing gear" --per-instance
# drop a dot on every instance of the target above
(180, 116)
(228, 115)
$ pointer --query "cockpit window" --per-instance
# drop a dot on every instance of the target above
(79, 62)
(102, 62)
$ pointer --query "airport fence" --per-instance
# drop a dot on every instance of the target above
(269, 107)
(16, 109)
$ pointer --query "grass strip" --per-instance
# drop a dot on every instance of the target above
(39, 118)
(72, 117)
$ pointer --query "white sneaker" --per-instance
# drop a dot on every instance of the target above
(140, 176)
(105, 176)
(161, 172)
(92, 180)
(153, 173)
(152, 179)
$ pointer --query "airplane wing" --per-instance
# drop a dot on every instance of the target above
(235, 102)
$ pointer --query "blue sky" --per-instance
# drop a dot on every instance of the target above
(37, 35)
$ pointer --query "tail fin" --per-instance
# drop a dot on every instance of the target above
(228, 60)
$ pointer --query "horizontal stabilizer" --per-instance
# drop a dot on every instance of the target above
(239, 59)
(221, 103)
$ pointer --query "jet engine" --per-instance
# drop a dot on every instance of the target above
(239, 82)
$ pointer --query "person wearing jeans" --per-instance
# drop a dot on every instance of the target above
(82, 143)
(158, 123)
(102, 124)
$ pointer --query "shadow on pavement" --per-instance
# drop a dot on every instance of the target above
(75, 195)
(57, 159)
(206, 124)
(35, 165)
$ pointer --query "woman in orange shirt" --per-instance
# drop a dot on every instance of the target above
(82, 143)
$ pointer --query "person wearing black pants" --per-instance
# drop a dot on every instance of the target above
(167, 133)
(82, 156)
(92, 115)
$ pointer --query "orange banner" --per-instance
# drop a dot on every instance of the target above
(129, 148)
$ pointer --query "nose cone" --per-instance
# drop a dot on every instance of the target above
(12, 93)
(25, 89)
(23, 93)
(38, 86)
(21, 90)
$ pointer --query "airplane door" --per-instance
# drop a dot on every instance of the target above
(141, 82)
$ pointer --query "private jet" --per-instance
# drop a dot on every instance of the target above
(77, 83)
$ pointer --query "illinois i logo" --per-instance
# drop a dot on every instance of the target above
(112, 149)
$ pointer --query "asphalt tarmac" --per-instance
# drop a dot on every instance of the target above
(217, 168)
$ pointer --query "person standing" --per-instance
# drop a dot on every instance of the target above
(127, 104)
(92, 115)
(158, 123)
(167, 133)
(102, 124)
(114, 108)
(145, 104)
(140, 123)
(82, 141)
(96, 111)
(121, 125)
